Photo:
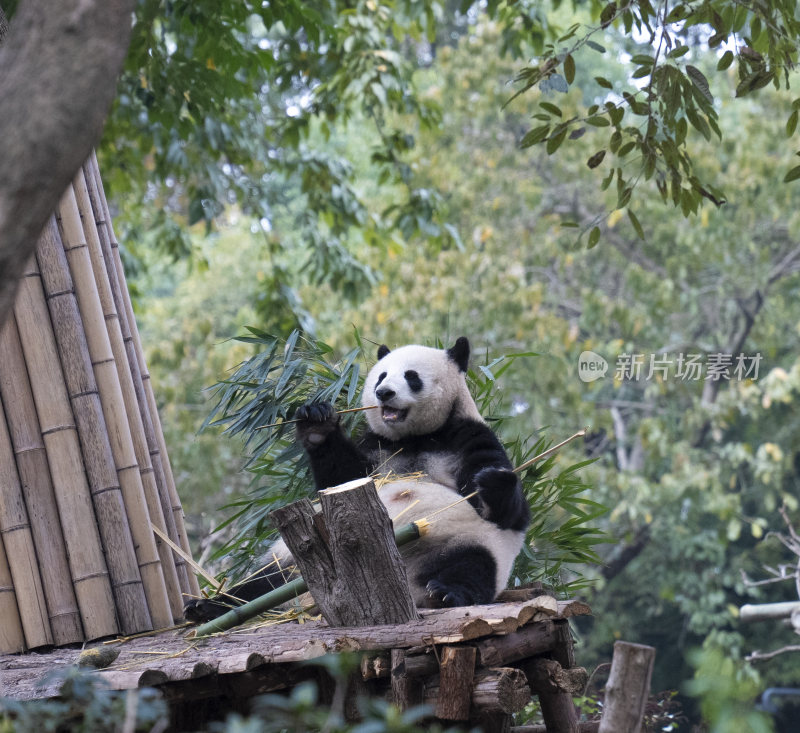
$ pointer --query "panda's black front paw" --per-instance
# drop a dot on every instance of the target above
(495, 483)
(317, 421)
(201, 610)
(443, 595)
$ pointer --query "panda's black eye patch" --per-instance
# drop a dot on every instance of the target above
(414, 382)
(380, 378)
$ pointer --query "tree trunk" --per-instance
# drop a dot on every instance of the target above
(58, 72)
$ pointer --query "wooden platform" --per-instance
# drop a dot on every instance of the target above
(226, 670)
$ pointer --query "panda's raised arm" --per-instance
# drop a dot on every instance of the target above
(334, 458)
(484, 467)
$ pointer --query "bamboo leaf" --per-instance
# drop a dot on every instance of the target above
(569, 68)
(792, 175)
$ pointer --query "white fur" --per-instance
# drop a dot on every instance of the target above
(444, 391)
(457, 524)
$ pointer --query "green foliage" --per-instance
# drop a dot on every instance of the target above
(648, 114)
(727, 690)
(84, 705)
(266, 390)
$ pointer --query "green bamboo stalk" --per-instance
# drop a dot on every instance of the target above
(237, 616)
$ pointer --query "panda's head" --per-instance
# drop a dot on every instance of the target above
(417, 388)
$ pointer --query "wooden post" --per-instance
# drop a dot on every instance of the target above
(558, 709)
(407, 690)
(455, 682)
(358, 578)
(628, 688)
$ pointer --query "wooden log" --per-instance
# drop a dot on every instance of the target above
(375, 666)
(503, 690)
(407, 691)
(371, 585)
(12, 639)
(37, 487)
(558, 710)
(73, 207)
(112, 400)
(87, 564)
(628, 687)
(17, 538)
(499, 651)
(98, 459)
(547, 676)
(455, 683)
(154, 434)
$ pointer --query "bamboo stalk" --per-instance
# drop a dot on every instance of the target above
(12, 640)
(136, 481)
(549, 451)
(156, 441)
(339, 412)
(128, 391)
(37, 487)
(91, 208)
(87, 564)
(98, 458)
(17, 538)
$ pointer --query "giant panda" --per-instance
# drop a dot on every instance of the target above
(425, 423)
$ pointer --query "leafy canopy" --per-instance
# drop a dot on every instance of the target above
(232, 102)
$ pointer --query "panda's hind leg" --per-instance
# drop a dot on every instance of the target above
(458, 575)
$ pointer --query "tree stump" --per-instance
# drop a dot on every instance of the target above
(355, 574)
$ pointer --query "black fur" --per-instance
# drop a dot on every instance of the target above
(413, 380)
(459, 576)
(200, 610)
(459, 353)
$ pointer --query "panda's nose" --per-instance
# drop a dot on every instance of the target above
(384, 394)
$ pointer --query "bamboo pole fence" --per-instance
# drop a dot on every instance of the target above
(84, 473)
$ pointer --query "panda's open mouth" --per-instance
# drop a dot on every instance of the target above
(393, 414)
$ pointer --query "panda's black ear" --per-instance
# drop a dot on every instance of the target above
(459, 353)
(383, 349)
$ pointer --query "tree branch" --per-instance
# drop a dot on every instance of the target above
(58, 72)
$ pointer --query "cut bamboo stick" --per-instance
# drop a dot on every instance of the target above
(12, 640)
(111, 316)
(37, 487)
(116, 393)
(105, 223)
(94, 219)
(15, 531)
(89, 571)
(98, 459)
